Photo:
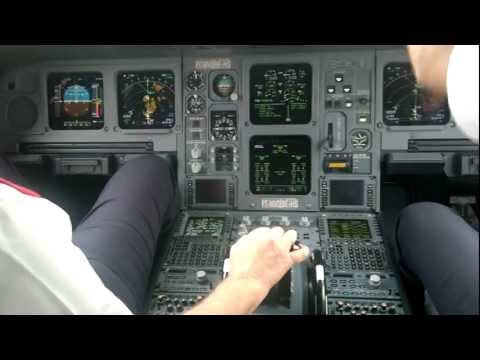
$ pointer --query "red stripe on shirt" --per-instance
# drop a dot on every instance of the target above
(22, 189)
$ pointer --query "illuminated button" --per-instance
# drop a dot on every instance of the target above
(348, 104)
(331, 89)
(196, 167)
(339, 78)
(347, 89)
(363, 119)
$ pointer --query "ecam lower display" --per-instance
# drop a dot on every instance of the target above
(280, 165)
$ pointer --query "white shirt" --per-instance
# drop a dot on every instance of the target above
(462, 88)
(41, 270)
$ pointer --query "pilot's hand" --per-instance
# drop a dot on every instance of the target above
(430, 64)
(263, 257)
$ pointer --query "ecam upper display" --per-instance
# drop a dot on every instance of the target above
(281, 94)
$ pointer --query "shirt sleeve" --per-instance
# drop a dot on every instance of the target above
(42, 271)
(462, 88)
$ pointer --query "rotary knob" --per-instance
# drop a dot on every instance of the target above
(247, 221)
(375, 280)
(265, 221)
(285, 221)
(201, 277)
(304, 221)
(242, 230)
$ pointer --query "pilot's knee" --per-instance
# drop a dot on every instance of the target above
(420, 219)
(149, 165)
(423, 211)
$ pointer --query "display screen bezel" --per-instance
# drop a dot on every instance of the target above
(53, 79)
(120, 109)
(349, 221)
(254, 119)
(402, 122)
(204, 202)
(358, 190)
(262, 139)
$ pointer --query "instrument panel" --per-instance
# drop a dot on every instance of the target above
(293, 140)
(280, 165)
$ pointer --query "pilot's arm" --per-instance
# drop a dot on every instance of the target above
(258, 260)
(447, 70)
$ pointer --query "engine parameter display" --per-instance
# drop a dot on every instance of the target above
(146, 100)
(280, 165)
(201, 226)
(349, 229)
(75, 101)
(406, 103)
(281, 94)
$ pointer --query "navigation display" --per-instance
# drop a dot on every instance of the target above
(407, 103)
(349, 229)
(281, 94)
(75, 101)
(280, 165)
(146, 100)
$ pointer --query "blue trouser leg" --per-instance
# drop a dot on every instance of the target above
(120, 234)
(441, 252)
